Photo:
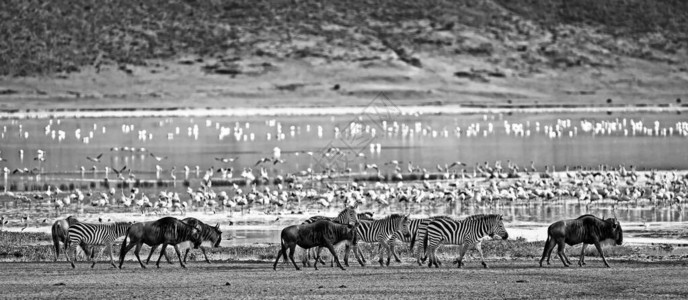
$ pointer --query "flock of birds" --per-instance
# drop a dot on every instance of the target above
(267, 185)
(489, 185)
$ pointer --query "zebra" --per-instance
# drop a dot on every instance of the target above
(85, 234)
(417, 229)
(382, 231)
(346, 216)
(466, 232)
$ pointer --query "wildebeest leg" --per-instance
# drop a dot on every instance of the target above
(547, 252)
(567, 258)
(162, 250)
(581, 260)
(292, 249)
(136, 252)
(152, 250)
(317, 257)
(560, 252)
(123, 253)
(204, 254)
(334, 254)
(359, 255)
(599, 249)
(179, 255)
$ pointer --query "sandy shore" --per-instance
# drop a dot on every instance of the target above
(315, 111)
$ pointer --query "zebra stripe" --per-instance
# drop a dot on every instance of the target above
(85, 234)
(382, 231)
(466, 233)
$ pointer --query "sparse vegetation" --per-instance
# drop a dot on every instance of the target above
(43, 37)
(34, 247)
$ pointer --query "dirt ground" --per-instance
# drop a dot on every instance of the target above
(237, 280)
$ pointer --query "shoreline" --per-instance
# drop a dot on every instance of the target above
(334, 110)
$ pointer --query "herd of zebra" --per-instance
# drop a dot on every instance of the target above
(164, 231)
(432, 232)
(348, 227)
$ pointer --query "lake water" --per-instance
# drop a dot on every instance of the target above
(644, 140)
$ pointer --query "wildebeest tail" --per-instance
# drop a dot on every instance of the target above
(544, 252)
(56, 230)
(284, 252)
(124, 245)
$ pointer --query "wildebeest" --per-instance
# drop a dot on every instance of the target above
(165, 231)
(322, 233)
(208, 233)
(60, 232)
(586, 229)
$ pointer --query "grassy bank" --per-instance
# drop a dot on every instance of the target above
(23, 247)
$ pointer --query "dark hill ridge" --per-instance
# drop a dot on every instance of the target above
(42, 37)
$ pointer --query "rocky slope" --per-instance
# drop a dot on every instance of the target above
(312, 53)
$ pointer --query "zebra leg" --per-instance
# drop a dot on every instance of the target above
(112, 260)
(581, 260)
(179, 255)
(478, 247)
(462, 252)
(389, 254)
(396, 256)
(359, 255)
(66, 248)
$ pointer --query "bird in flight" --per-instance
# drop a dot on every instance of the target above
(158, 158)
(456, 163)
(95, 159)
(119, 172)
(226, 159)
(263, 160)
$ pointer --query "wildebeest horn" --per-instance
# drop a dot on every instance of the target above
(217, 225)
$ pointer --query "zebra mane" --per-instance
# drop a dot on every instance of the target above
(482, 217)
(395, 216)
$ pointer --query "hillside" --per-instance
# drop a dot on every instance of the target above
(297, 52)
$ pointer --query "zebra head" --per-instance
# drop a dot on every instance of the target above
(401, 223)
(347, 216)
(498, 229)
